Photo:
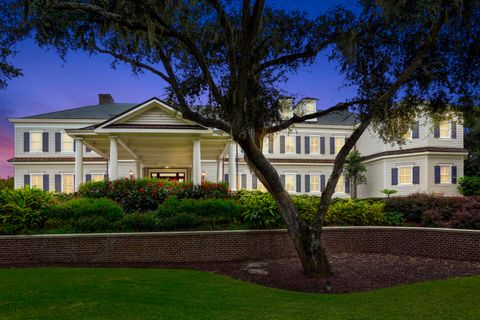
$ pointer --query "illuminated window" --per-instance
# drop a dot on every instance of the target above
(314, 144)
(290, 144)
(97, 177)
(36, 142)
(67, 143)
(290, 182)
(265, 145)
(339, 142)
(445, 174)
(408, 135)
(340, 187)
(444, 129)
(67, 183)
(405, 175)
(36, 181)
(260, 186)
(315, 183)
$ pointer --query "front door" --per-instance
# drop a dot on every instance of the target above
(175, 176)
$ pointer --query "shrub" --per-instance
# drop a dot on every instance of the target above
(87, 207)
(259, 210)
(139, 221)
(393, 218)
(469, 186)
(468, 216)
(180, 221)
(355, 212)
(307, 206)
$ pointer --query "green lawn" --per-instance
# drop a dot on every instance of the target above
(180, 294)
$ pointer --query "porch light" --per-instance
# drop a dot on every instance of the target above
(203, 173)
(130, 173)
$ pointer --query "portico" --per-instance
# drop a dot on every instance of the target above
(159, 142)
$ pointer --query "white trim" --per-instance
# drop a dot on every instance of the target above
(416, 154)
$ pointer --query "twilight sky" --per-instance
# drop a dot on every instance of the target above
(50, 84)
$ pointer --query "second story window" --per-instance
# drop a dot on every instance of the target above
(290, 144)
(36, 142)
(314, 144)
(444, 127)
(339, 142)
(67, 143)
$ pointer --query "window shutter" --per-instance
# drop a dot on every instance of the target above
(437, 174)
(88, 177)
(454, 174)
(282, 144)
(307, 145)
(74, 145)
(254, 182)
(270, 145)
(322, 182)
(416, 175)
(26, 142)
(46, 184)
(347, 185)
(243, 178)
(226, 178)
(26, 180)
(394, 176)
(322, 145)
(282, 179)
(45, 141)
(299, 183)
(436, 131)
(58, 182)
(332, 145)
(298, 144)
(307, 183)
(454, 129)
(58, 141)
(416, 131)
(105, 176)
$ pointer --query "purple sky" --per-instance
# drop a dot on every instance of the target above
(50, 84)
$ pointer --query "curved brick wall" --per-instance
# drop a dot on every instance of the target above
(168, 247)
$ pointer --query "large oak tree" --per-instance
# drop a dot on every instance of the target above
(230, 56)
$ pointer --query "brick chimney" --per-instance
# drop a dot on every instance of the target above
(104, 98)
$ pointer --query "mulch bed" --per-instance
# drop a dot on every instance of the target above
(353, 272)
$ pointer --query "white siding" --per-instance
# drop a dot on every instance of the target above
(153, 116)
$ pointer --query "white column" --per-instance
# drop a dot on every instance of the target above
(232, 169)
(113, 160)
(138, 169)
(219, 170)
(197, 163)
(78, 163)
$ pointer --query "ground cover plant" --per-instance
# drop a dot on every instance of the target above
(56, 293)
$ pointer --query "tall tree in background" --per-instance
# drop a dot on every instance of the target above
(354, 170)
(234, 54)
(472, 143)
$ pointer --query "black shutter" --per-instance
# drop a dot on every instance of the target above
(58, 141)
(26, 180)
(436, 131)
(46, 182)
(88, 177)
(454, 130)
(282, 179)
(394, 176)
(322, 145)
(282, 144)
(454, 174)
(298, 144)
(322, 182)
(254, 182)
(299, 183)
(416, 175)
(307, 183)
(332, 145)
(307, 145)
(226, 177)
(347, 185)
(270, 145)
(58, 182)
(416, 131)
(45, 141)
(26, 142)
(437, 174)
(243, 178)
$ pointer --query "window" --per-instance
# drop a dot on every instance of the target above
(36, 181)
(445, 174)
(339, 142)
(408, 135)
(405, 175)
(340, 187)
(265, 145)
(97, 177)
(314, 183)
(67, 183)
(290, 182)
(67, 143)
(314, 144)
(290, 144)
(36, 142)
(260, 186)
(444, 127)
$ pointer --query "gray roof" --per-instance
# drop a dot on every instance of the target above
(339, 118)
(98, 111)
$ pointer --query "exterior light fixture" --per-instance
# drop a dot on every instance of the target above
(130, 173)
(328, 286)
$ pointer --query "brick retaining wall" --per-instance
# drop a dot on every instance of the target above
(174, 247)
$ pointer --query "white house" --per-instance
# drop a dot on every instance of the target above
(60, 150)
